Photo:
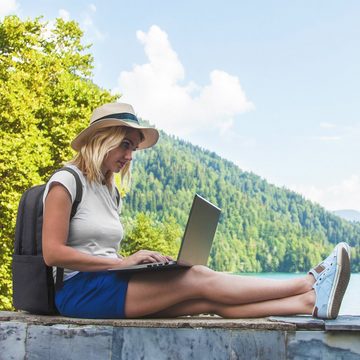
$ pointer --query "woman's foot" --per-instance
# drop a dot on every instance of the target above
(320, 268)
(331, 284)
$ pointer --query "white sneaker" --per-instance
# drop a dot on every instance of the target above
(331, 285)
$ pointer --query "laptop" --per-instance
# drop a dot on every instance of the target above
(196, 242)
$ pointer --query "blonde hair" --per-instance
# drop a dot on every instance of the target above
(91, 155)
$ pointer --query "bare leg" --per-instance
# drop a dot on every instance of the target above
(153, 292)
(297, 304)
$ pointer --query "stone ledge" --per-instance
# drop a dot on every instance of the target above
(25, 336)
(193, 322)
(342, 323)
(281, 323)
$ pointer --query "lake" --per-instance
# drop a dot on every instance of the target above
(351, 301)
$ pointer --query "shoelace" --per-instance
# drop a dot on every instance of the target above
(322, 276)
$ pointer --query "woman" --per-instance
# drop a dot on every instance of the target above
(87, 246)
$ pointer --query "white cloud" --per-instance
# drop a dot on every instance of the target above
(87, 21)
(92, 8)
(327, 125)
(92, 32)
(157, 91)
(8, 7)
(345, 195)
(333, 132)
(327, 138)
(64, 14)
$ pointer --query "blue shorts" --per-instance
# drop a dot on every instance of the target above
(94, 295)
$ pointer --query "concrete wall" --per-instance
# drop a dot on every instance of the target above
(20, 340)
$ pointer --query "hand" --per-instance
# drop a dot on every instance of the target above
(145, 256)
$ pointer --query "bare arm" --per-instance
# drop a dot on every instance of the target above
(55, 233)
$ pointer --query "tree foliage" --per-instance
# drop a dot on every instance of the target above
(149, 234)
(46, 97)
(262, 227)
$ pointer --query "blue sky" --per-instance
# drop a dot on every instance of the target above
(271, 85)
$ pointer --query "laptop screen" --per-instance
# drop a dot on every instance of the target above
(199, 232)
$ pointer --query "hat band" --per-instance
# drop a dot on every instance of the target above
(120, 116)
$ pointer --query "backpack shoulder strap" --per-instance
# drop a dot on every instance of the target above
(79, 190)
(117, 196)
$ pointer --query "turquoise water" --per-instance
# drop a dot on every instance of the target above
(351, 301)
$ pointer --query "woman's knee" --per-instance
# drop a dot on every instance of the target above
(201, 271)
(202, 279)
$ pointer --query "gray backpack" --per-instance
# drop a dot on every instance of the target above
(33, 282)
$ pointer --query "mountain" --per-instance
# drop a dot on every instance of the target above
(262, 227)
(350, 215)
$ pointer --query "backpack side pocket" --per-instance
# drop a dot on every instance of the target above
(29, 295)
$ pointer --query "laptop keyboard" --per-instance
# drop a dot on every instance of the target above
(158, 264)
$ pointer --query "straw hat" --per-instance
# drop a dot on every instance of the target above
(115, 114)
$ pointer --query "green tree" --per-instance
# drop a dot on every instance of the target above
(46, 97)
(146, 233)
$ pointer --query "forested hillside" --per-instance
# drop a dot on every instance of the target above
(262, 227)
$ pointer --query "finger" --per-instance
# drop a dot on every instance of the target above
(155, 254)
(147, 256)
(158, 257)
(148, 259)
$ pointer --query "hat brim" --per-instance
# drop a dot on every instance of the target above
(151, 135)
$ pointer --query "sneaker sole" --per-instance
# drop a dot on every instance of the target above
(341, 282)
(347, 247)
